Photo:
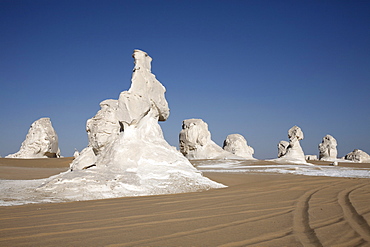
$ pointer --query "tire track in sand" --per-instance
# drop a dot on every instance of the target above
(146, 242)
(354, 219)
(301, 227)
(301, 222)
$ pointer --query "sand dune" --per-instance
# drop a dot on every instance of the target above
(258, 209)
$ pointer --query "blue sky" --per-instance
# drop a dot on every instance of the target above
(250, 67)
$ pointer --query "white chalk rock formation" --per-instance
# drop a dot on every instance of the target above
(84, 160)
(282, 148)
(196, 143)
(127, 154)
(102, 130)
(104, 127)
(76, 154)
(293, 152)
(237, 144)
(328, 148)
(41, 142)
(358, 155)
(311, 157)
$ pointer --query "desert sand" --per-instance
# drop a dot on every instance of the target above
(256, 209)
(32, 168)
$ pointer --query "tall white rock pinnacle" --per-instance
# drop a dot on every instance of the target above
(41, 142)
(127, 154)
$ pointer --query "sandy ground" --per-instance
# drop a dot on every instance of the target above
(32, 168)
(255, 210)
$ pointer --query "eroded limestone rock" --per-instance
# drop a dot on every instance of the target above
(282, 148)
(127, 154)
(358, 155)
(41, 142)
(311, 157)
(85, 159)
(294, 152)
(237, 144)
(104, 127)
(328, 148)
(196, 143)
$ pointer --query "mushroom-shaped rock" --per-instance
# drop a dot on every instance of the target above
(328, 148)
(41, 142)
(294, 152)
(358, 155)
(295, 133)
(237, 144)
(196, 143)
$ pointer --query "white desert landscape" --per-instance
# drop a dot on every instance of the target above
(129, 187)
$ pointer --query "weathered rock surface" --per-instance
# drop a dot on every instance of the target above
(196, 143)
(104, 127)
(294, 152)
(127, 154)
(282, 148)
(358, 155)
(41, 142)
(311, 157)
(237, 144)
(328, 148)
(84, 160)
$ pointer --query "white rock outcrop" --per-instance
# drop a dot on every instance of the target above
(293, 152)
(328, 148)
(76, 153)
(104, 127)
(41, 142)
(237, 144)
(102, 130)
(282, 148)
(127, 154)
(358, 155)
(311, 157)
(195, 142)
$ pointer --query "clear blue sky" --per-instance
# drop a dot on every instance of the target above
(251, 67)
